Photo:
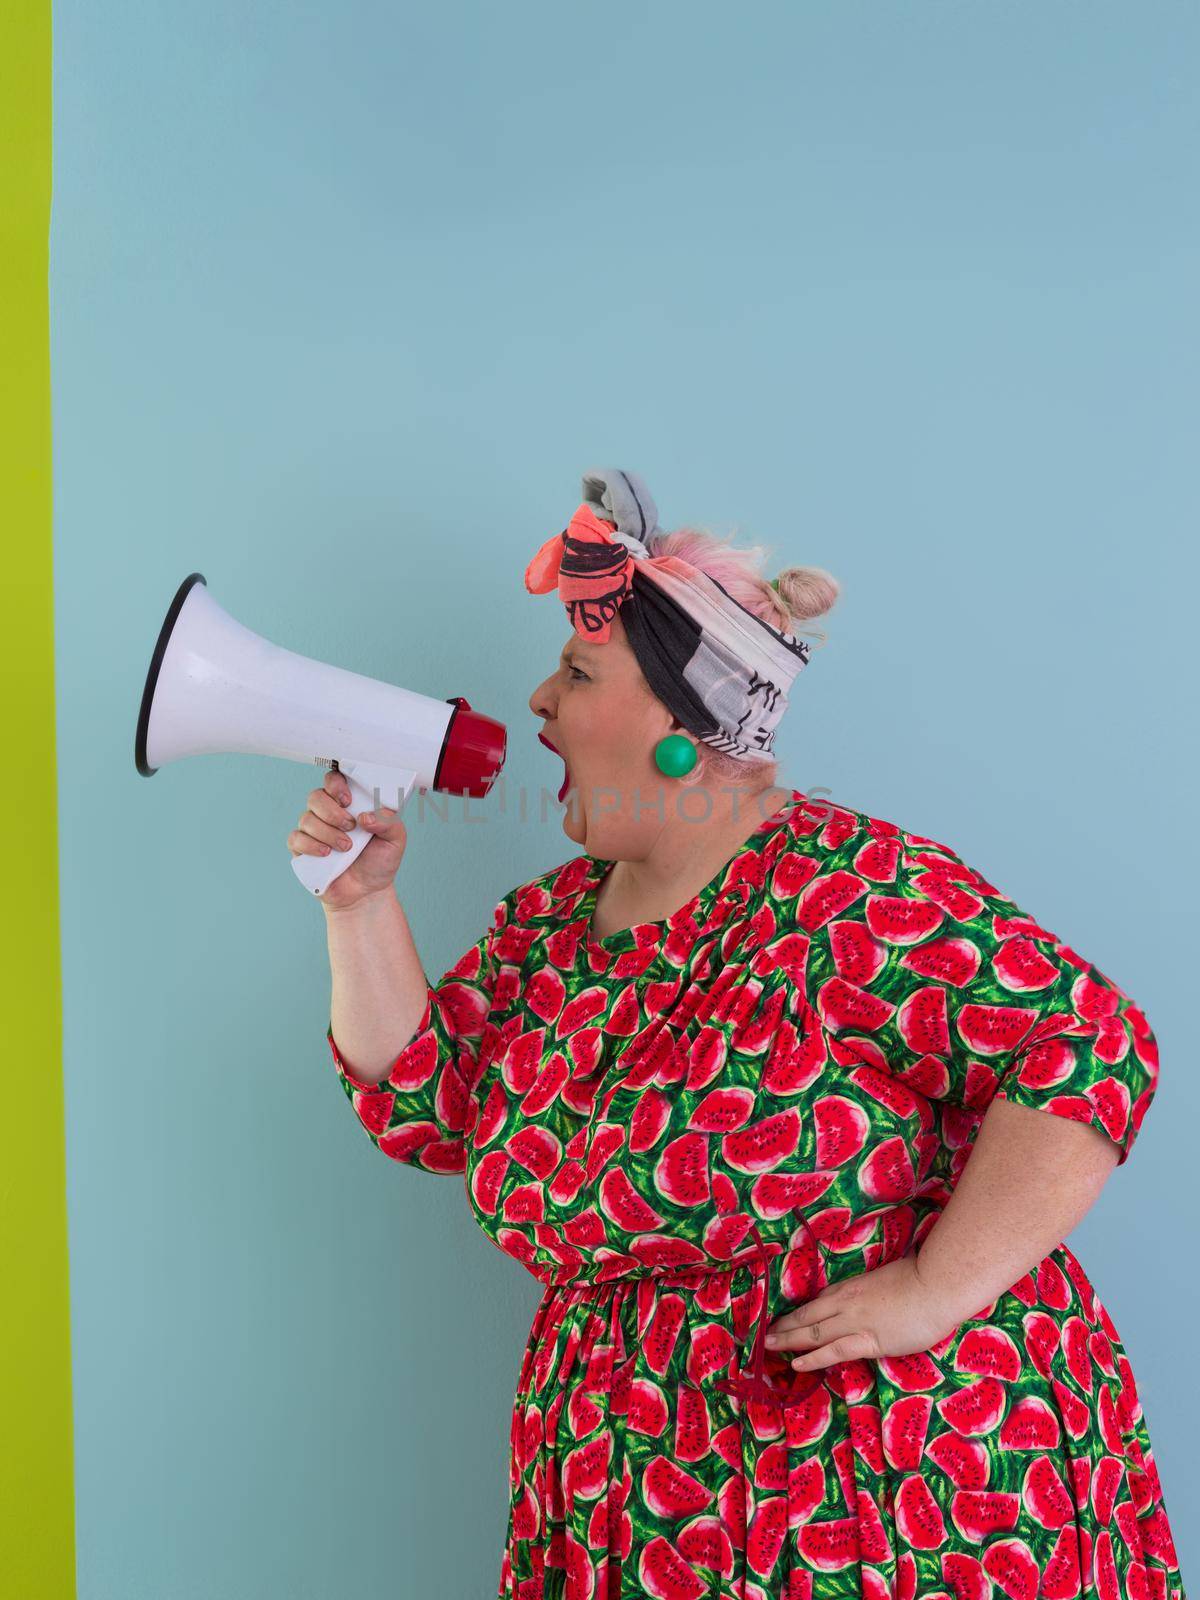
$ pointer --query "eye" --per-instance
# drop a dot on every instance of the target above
(576, 673)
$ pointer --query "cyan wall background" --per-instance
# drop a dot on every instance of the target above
(345, 297)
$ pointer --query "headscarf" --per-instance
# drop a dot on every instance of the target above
(722, 672)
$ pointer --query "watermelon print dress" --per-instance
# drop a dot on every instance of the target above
(692, 1126)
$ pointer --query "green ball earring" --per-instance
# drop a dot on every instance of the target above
(675, 755)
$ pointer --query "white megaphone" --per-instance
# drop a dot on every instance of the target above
(215, 688)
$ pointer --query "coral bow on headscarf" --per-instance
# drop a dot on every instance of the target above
(592, 571)
(591, 562)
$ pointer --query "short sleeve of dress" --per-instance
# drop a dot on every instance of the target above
(418, 1114)
(945, 982)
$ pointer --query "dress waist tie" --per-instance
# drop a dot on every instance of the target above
(755, 1385)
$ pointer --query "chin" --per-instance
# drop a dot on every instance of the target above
(574, 824)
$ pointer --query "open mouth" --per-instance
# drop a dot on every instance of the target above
(566, 782)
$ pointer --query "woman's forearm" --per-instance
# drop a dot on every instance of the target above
(379, 984)
(1030, 1179)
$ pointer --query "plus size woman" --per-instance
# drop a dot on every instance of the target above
(748, 1082)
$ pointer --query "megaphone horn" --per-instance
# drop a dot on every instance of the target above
(214, 688)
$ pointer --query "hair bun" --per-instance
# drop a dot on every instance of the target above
(806, 591)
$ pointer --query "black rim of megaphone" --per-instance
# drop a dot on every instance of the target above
(156, 661)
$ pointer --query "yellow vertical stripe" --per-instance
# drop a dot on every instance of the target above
(37, 1523)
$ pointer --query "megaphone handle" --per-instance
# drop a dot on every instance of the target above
(370, 786)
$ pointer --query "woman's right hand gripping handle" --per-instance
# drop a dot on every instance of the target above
(327, 822)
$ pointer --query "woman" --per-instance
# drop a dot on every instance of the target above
(715, 1081)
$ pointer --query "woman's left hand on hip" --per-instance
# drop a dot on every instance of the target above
(888, 1311)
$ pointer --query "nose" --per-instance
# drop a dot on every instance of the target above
(544, 701)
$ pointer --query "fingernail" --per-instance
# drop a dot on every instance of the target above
(367, 818)
(772, 1338)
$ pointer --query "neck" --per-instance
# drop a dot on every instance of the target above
(686, 854)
